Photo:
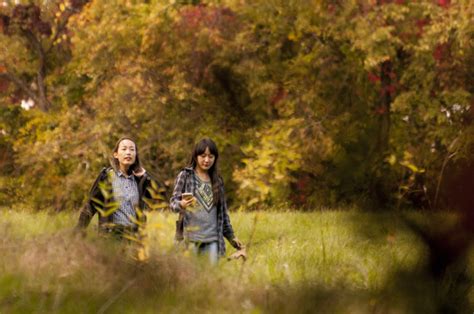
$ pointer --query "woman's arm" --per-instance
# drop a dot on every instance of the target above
(89, 210)
(175, 200)
(144, 184)
(228, 230)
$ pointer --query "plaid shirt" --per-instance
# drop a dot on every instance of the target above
(125, 190)
(185, 184)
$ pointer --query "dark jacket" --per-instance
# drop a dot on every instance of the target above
(185, 184)
(90, 209)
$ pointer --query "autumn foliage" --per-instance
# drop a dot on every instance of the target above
(311, 103)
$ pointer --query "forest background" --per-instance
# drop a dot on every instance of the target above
(359, 112)
(312, 103)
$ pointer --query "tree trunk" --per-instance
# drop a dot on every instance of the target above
(378, 190)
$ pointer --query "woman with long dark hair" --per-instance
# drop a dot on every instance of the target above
(127, 181)
(198, 196)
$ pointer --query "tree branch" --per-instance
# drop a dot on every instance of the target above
(20, 84)
(441, 173)
(61, 26)
(43, 103)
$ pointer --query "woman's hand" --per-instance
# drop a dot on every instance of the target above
(186, 203)
(236, 255)
(237, 244)
(139, 172)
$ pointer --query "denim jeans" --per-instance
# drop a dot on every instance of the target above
(210, 249)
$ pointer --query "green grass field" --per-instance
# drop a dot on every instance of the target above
(321, 262)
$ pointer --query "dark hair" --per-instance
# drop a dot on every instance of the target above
(115, 163)
(199, 149)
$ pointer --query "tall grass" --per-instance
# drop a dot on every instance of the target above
(321, 262)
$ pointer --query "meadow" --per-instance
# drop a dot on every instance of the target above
(332, 261)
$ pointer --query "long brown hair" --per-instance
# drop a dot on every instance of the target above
(199, 149)
(115, 163)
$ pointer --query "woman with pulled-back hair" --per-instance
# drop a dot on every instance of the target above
(128, 181)
(198, 197)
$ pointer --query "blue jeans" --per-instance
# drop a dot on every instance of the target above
(210, 249)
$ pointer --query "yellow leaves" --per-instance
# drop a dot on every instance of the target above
(392, 159)
(180, 95)
(269, 162)
(411, 166)
(377, 42)
(292, 36)
(253, 201)
(406, 162)
(157, 200)
(372, 61)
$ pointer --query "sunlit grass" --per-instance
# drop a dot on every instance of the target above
(329, 261)
(27, 224)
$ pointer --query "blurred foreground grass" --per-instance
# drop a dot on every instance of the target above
(340, 261)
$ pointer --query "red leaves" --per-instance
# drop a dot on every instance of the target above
(380, 110)
(205, 29)
(440, 52)
(389, 89)
(444, 3)
(420, 25)
(382, 2)
(301, 183)
(195, 17)
(192, 17)
(373, 78)
(387, 82)
(303, 187)
(386, 71)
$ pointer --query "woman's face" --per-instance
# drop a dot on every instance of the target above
(205, 160)
(126, 153)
